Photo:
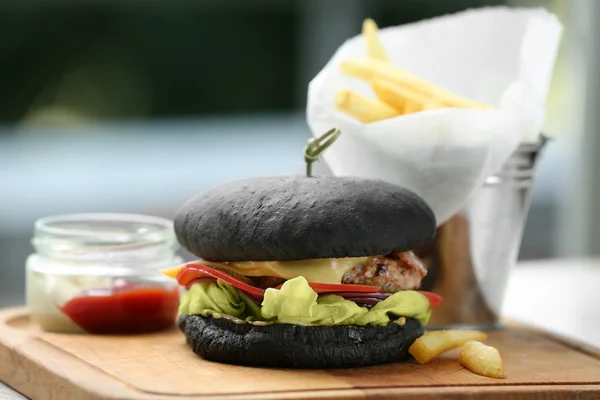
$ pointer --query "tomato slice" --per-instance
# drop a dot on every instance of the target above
(434, 298)
(196, 271)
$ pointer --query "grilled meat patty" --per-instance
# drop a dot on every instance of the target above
(398, 271)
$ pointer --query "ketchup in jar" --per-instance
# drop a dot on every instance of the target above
(100, 274)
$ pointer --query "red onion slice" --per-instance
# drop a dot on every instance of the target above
(357, 295)
(364, 300)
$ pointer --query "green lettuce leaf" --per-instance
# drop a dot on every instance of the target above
(409, 304)
(297, 303)
(206, 298)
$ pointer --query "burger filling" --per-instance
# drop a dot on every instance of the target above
(360, 291)
(398, 271)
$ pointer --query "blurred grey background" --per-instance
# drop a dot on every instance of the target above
(133, 106)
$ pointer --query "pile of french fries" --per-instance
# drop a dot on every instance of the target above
(397, 91)
(474, 355)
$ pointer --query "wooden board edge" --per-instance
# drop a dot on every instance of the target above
(521, 392)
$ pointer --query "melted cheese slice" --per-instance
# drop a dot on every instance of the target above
(326, 270)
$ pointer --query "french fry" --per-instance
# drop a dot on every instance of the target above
(363, 108)
(412, 107)
(481, 359)
(434, 343)
(432, 105)
(369, 69)
(375, 49)
(402, 99)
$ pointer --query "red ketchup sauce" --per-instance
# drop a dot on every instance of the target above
(124, 309)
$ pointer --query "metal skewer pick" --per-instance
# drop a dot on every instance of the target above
(316, 147)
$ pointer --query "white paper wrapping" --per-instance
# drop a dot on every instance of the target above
(500, 56)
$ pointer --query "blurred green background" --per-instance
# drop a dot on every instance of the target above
(67, 61)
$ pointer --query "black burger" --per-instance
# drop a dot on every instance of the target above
(304, 272)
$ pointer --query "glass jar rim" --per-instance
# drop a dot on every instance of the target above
(44, 225)
(73, 235)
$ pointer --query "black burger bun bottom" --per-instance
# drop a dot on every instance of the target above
(296, 346)
(300, 218)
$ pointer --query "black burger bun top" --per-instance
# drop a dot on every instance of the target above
(299, 218)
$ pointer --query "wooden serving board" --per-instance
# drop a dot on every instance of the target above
(161, 366)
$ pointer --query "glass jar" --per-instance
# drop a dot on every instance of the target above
(100, 274)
